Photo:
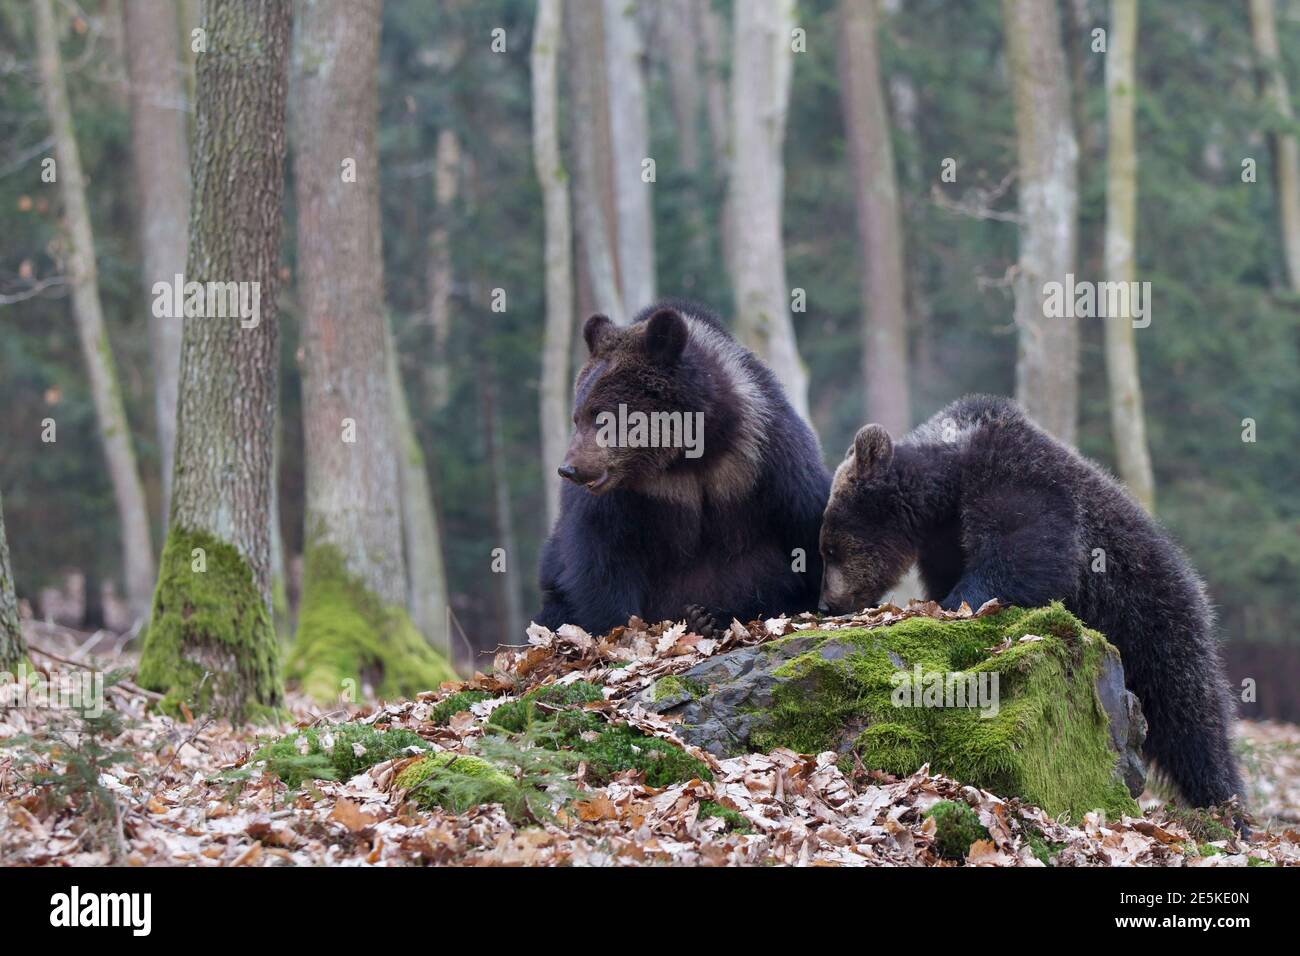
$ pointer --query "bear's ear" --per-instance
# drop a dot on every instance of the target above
(595, 329)
(665, 337)
(873, 450)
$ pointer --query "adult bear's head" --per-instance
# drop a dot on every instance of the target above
(635, 403)
(866, 539)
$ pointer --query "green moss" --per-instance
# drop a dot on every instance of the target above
(519, 715)
(1200, 823)
(333, 751)
(675, 686)
(459, 782)
(1045, 850)
(445, 709)
(736, 823)
(1048, 741)
(619, 747)
(210, 643)
(345, 633)
(957, 827)
(607, 748)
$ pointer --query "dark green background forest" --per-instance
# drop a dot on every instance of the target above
(1222, 345)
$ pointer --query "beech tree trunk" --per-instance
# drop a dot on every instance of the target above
(160, 163)
(12, 647)
(110, 413)
(630, 146)
(1127, 419)
(585, 78)
(554, 180)
(760, 95)
(426, 574)
(446, 175)
(512, 620)
(211, 642)
(884, 315)
(353, 625)
(1286, 152)
(1047, 363)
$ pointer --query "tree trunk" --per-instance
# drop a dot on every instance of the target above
(711, 30)
(211, 641)
(502, 516)
(12, 647)
(353, 624)
(160, 163)
(760, 95)
(1127, 419)
(554, 403)
(426, 575)
(711, 35)
(593, 227)
(630, 145)
(114, 431)
(1047, 363)
(866, 123)
(1286, 153)
(446, 173)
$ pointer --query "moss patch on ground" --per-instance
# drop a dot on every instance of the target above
(519, 715)
(210, 643)
(345, 633)
(1047, 742)
(736, 822)
(448, 708)
(334, 751)
(957, 826)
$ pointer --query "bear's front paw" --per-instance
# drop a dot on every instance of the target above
(706, 622)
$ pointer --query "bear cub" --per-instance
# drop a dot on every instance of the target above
(990, 506)
(704, 529)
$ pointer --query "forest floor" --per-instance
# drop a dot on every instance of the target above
(142, 789)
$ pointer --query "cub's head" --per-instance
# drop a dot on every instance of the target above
(865, 543)
(642, 369)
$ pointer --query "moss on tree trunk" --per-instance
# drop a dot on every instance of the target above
(210, 644)
(347, 633)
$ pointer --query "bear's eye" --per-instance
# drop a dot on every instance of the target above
(831, 552)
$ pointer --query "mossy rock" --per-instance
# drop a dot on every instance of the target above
(1045, 717)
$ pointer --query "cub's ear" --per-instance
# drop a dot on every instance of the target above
(665, 337)
(595, 329)
(873, 450)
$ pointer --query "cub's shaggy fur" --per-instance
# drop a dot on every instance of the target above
(656, 533)
(991, 506)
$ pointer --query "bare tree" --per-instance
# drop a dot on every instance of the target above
(12, 647)
(630, 147)
(715, 98)
(1047, 363)
(211, 641)
(507, 573)
(110, 413)
(1286, 153)
(1127, 419)
(446, 175)
(554, 180)
(160, 163)
(760, 94)
(353, 624)
(866, 123)
(426, 573)
(583, 37)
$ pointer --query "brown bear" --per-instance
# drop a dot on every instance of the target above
(988, 505)
(694, 490)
